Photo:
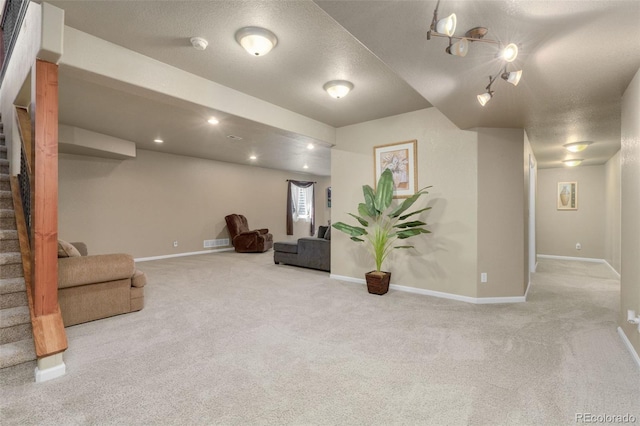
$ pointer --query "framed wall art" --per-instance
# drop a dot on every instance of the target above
(401, 159)
(567, 196)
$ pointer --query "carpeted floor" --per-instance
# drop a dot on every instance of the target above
(232, 339)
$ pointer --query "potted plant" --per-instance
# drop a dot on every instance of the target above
(382, 225)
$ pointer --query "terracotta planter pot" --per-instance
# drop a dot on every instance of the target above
(378, 282)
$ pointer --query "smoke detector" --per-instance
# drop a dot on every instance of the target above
(199, 43)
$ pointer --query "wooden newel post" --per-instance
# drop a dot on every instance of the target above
(45, 190)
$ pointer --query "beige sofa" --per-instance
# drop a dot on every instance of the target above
(98, 286)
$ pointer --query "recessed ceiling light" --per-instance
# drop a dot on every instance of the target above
(305, 167)
(158, 140)
(234, 137)
(573, 163)
(213, 121)
(577, 146)
(310, 146)
(253, 157)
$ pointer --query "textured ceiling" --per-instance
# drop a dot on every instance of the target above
(577, 57)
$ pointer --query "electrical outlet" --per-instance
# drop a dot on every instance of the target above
(578, 246)
(175, 243)
(483, 277)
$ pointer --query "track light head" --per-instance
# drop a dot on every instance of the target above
(447, 25)
(512, 77)
(485, 97)
(459, 48)
(510, 52)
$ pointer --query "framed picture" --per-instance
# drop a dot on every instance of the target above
(401, 159)
(567, 196)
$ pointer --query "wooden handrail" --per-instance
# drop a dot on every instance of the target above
(24, 130)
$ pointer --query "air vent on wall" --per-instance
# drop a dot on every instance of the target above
(221, 242)
(234, 137)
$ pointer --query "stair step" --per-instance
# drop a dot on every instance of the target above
(3, 152)
(14, 316)
(9, 241)
(13, 300)
(6, 200)
(16, 332)
(10, 258)
(7, 219)
(11, 271)
(5, 184)
(17, 353)
(12, 285)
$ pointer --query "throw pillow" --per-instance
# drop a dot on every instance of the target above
(322, 230)
(67, 250)
(327, 235)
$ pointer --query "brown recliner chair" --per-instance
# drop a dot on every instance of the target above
(245, 240)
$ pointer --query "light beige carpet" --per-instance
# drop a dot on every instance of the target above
(232, 339)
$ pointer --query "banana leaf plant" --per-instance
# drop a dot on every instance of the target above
(382, 226)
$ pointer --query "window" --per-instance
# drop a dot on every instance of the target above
(302, 203)
(303, 209)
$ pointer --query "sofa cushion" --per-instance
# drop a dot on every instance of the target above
(65, 249)
(286, 247)
(77, 271)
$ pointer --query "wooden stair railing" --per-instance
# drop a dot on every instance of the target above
(41, 276)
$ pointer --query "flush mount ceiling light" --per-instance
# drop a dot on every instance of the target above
(252, 157)
(577, 146)
(158, 140)
(310, 146)
(255, 40)
(446, 28)
(338, 88)
(573, 163)
(305, 166)
(213, 121)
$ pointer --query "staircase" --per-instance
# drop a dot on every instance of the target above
(16, 337)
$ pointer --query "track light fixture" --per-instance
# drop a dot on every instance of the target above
(446, 27)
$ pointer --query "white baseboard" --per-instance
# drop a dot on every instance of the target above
(629, 346)
(582, 259)
(193, 253)
(440, 294)
(526, 292)
(50, 373)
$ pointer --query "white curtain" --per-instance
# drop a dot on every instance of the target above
(295, 199)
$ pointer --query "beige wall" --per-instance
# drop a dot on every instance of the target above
(558, 231)
(18, 71)
(140, 206)
(612, 232)
(501, 217)
(630, 182)
(444, 261)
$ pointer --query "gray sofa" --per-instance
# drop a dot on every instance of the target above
(308, 252)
